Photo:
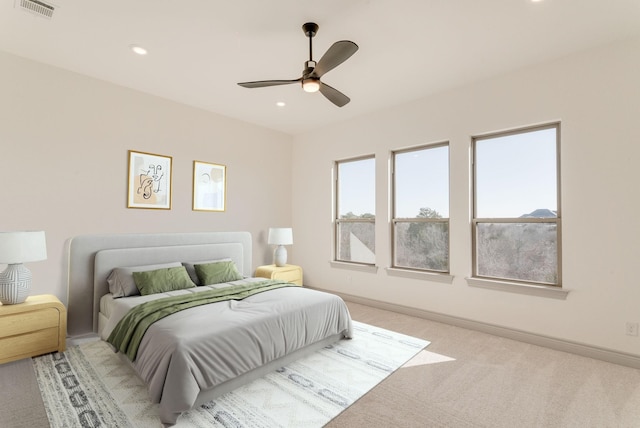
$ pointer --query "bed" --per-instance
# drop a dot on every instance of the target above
(194, 355)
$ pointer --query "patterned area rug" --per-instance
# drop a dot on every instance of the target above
(90, 386)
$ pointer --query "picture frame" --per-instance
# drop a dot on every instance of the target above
(149, 180)
(209, 186)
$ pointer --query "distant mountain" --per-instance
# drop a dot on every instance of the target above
(540, 213)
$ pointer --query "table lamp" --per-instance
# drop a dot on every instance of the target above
(15, 249)
(280, 236)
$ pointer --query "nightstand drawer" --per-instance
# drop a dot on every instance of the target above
(289, 276)
(29, 321)
(35, 327)
(289, 273)
(27, 345)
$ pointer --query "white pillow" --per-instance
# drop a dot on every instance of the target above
(121, 283)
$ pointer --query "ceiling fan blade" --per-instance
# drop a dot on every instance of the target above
(334, 95)
(263, 83)
(338, 53)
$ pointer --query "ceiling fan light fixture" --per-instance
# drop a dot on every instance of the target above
(311, 85)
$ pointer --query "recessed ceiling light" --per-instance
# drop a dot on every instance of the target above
(281, 104)
(138, 49)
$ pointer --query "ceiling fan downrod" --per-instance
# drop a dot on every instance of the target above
(310, 84)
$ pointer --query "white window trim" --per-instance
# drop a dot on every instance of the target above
(362, 267)
(424, 275)
(549, 291)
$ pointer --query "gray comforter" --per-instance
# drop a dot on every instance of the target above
(202, 347)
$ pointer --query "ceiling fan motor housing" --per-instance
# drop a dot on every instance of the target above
(310, 29)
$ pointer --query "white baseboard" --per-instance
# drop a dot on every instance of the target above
(83, 338)
(583, 350)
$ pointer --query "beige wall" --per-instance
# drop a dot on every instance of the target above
(63, 163)
(596, 96)
(63, 168)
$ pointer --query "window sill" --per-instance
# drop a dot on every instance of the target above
(354, 266)
(426, 276)
(514, 287)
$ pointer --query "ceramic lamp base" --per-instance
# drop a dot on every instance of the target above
(280, 256)
(15, 283)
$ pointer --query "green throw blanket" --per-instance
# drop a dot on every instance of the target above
(128, 333)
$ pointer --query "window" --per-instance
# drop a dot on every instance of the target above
(355, 208)
(516, 222)
(421, 208)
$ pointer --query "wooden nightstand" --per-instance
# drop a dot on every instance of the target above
(289, 273)
(35, 327)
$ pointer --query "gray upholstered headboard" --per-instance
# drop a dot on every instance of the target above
(91, 258)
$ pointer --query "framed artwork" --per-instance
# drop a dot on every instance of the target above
(209, 186)
(149, 181)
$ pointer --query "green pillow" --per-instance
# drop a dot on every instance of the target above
(215, 273)
(161, 280)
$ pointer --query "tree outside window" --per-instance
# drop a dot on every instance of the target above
(421, 208)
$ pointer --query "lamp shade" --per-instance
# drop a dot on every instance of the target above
(280, 236)
(20, 247)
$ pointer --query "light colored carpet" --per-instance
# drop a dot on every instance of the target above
(492, 382)
(88, 385)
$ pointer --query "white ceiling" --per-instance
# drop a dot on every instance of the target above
(200, 49)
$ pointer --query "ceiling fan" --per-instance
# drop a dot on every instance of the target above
(338, 53)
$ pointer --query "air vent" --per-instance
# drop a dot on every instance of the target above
(38, 8)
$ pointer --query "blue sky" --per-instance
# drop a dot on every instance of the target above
(357, 190)
(516, 174)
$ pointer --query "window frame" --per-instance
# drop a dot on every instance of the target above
(516, 220)
(397, 220)
(336, 213)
